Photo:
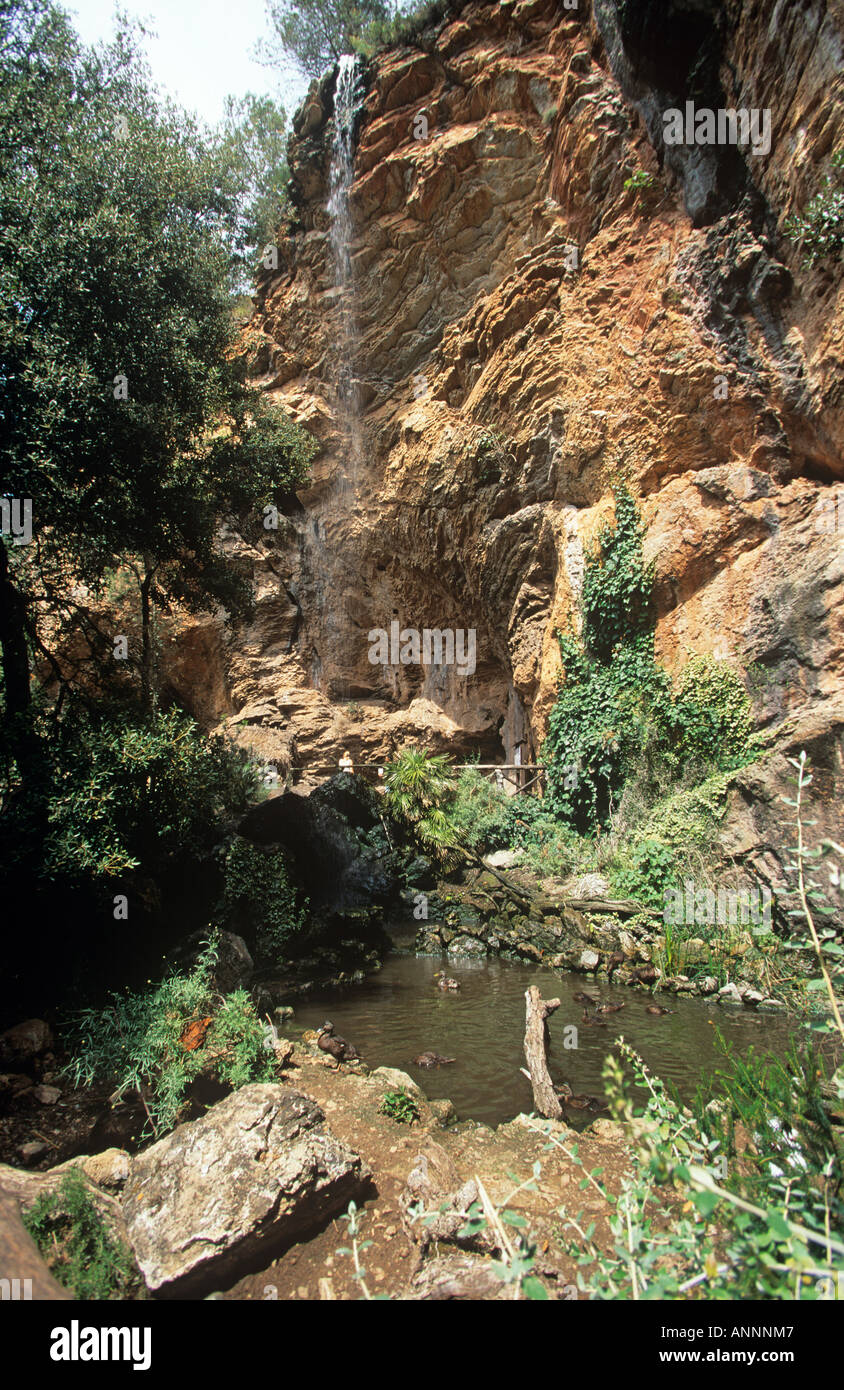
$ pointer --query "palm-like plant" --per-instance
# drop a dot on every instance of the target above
(419, 787)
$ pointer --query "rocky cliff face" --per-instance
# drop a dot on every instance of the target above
(523, 328)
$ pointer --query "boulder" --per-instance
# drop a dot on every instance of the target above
(25, 1041)
(391, 1079)
(466, 946)
(21, 1262)
(47, 1095)
(109, 1169)
(223, 1194)
(729, 994)
(504, 858)
(751, 996)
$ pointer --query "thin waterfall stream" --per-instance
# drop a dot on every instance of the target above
(334, 577)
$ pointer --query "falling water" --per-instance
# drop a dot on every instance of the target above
(348, 95)
(336, 577)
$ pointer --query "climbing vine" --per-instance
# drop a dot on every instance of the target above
(617, 717)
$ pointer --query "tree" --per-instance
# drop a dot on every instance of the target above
(125, 417)
(253, 156)
(316, 33)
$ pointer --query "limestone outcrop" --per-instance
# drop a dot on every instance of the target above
(258, 1171)
(526, 328)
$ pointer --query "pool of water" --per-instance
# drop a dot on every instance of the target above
(397, 1013)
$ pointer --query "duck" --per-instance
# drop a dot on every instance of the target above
(432, 1059)
(657, 1010)
(609, 1008)
(573, 1102)
(583, 998)
(592, 1022)
(613, 962)
(645, 975)
(336, 1047)
(444, 981)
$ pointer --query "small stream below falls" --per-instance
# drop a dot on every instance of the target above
(397, 1013)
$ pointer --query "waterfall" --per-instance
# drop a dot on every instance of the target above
(348, 95)
(335, 577)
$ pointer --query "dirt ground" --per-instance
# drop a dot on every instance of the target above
(394, 1263)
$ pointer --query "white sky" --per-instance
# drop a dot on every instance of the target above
(203, 49)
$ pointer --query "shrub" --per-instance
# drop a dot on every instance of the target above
(616, 720)
(259, 900)
(156, 1042)
(420, 788)
(761, 1229)
(79, 1250)
(820, 228)
(121, 793)
(710, 712)
(480, 812)
(645, 873)
(639, 182)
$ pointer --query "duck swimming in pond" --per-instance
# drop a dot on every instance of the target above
(432, 1059)
(444, 981)
(573, 1102)
(609, 1008)
(336, 1047)
(592, 1022)
(657, 1010)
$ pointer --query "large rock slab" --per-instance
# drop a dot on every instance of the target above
(223, 1194)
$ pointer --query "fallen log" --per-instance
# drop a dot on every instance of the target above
(619, 907)
(545, 1097)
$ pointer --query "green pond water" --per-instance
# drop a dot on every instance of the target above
(398, 1013)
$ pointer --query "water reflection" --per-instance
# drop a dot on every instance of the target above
(398, 1013)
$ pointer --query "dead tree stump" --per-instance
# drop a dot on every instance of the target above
(536, 1053)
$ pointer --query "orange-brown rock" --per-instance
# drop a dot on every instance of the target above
(526, 329)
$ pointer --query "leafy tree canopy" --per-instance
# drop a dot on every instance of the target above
(125, 414)
(316, 33)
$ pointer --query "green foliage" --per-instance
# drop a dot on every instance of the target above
(122, 794)
(259, 899)
(601, 726)
(419, 789)
(648, 869)
(761, 1229)
(640, 183)
(126, 416)
(76, 1244)
(820, 229)
(400, 1106)
(252, 152)
(710, 714)
(406, 27)
(616, 720)
(617, 584)
(480, 812)
(316, 33)
(137, 1041)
